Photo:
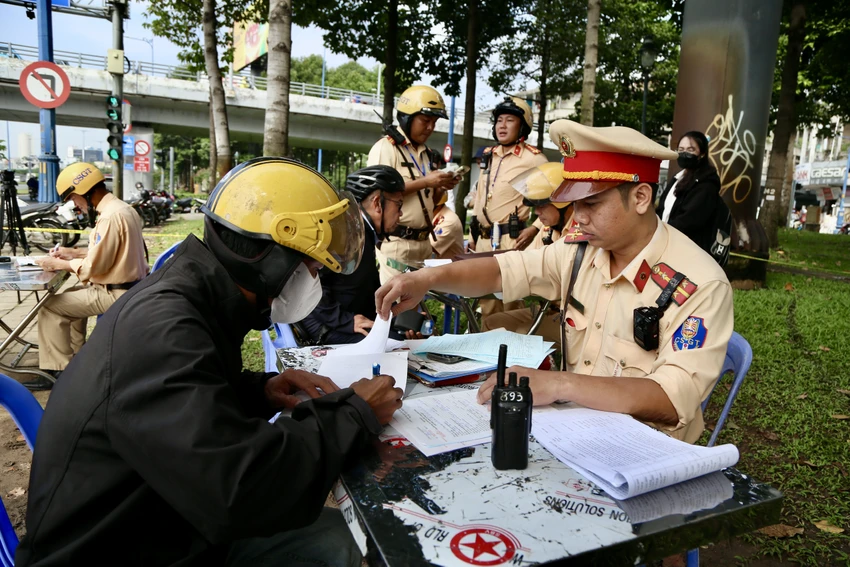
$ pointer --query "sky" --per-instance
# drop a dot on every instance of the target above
(82, 34)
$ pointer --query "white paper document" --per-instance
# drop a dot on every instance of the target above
(701, 493)
(523, 350)
(346, 370)
(445, 422)
(374, 343)
(622, 455)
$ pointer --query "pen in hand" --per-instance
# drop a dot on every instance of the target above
(376, 370)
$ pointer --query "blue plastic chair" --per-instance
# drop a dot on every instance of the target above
(27, 412)
(285, 339)
(157, 264)
(739, 356)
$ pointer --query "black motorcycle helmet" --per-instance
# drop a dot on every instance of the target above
(366, 181)
(514, 106)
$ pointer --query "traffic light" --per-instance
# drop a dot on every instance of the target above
(114, 127)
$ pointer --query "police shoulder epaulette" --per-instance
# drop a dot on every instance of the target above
(662, 274)
(532, 149)
(574, 234)
(391, 141)
(489, 150)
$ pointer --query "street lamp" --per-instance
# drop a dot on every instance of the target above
(149, 41)
(648, 54)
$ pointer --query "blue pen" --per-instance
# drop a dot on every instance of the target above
(376, 369)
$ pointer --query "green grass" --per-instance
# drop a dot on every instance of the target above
(810, 250)
(161, 237)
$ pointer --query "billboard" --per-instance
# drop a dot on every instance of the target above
(250, 42)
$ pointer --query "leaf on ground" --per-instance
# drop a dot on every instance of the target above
(824, 525)
(20, 438)
(811, 464)
(824, 348)
(253, 339)
(838, 262)
(20, 491)
(780, 530)
(10, 469)
(775, 333)
(732, 425)
(770, 435)
(780, 251)
(789, 286)
(840, 416)
(845, 392)
(802, 396)
(808, 280)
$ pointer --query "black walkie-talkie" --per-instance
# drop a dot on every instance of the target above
(510, 418)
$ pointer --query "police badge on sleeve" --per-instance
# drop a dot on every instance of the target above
(691, 334)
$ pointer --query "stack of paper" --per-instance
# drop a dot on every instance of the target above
(523, 350)
(421, 364)
(621, 455)
(445, 422)
(27, 264)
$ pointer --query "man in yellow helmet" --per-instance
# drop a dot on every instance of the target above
(499, 214)
(537, 187)
(114, 262)
(404, 148)
(156, 447)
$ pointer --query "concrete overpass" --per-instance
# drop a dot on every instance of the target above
(181, 105)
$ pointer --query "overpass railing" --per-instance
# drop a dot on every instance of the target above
(232, 81)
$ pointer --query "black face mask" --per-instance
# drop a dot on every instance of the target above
(687, 160)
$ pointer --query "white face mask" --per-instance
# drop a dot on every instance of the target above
(299, 296)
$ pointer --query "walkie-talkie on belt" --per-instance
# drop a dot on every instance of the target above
(510, 418)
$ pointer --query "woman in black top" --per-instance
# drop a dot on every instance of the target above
(690, 200)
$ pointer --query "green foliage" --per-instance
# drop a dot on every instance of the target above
(619, 81)
(2, 149)
(352, 75)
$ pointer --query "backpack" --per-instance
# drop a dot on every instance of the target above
(722, 231)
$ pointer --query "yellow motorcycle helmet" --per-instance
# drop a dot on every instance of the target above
(419, 99)
(538, 184)
(285, 202)
(515, 107)
(79, 178)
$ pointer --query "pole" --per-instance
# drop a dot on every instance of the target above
(452, 124)
(162, 175)
(8, 148)
(643, 112)
(117, 90)
(171, 170)
(839, 221)
(324, 53)
(49, 167)
(380, 98)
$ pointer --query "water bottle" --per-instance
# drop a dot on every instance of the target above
(495, 236)
(427, 328)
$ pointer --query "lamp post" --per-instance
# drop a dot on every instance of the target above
(648, 54)
(149, 41)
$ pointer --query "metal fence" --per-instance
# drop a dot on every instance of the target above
(240, 80)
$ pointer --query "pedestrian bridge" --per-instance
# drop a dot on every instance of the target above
(171, 100)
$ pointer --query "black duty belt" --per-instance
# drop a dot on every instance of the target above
(504, 228)
(126, 285)
(411, 233)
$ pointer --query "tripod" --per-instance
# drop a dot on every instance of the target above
(10, 213)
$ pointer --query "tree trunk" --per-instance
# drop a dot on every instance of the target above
(472, 49)
(786, 124)
(213, 155)
(276, 129)
(591, 56)
(218, 106)
(392, 59)
(782, 215)
(544, 77)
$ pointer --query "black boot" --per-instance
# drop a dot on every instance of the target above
(42, 383)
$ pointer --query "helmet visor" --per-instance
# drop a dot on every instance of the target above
(346, 244)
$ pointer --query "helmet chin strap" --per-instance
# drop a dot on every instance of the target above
(92, 212)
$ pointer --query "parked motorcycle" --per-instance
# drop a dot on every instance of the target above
(43, 216)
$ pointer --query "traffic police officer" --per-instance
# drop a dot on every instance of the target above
(404, 149)
(113, 263)
(646, 313)
(447, 240)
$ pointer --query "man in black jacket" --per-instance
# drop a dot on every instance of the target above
(347, 309)
(155, 448)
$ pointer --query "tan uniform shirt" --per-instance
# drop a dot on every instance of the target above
(116, 249)
(494, 191)
(449, 232)
(543, 232)
(693, 333)
(384, 152)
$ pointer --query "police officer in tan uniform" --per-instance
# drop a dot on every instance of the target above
(537, 187)
(114, 262)
(447, 240)
(630, 269)
(404, 149)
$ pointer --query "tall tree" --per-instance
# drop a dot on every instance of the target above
(545, 47)
(276, 128)
(591, 50)
(218, 104)
(786, 123)
(393, 32)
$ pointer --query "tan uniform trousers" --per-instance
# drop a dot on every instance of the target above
(520, 321)
(394, 256)
(62, 322)
(490, 306)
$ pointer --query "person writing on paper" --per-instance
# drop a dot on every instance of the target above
(536, 187)
(156, 449)
(346, 311)
(114, 261)
(621, 260)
